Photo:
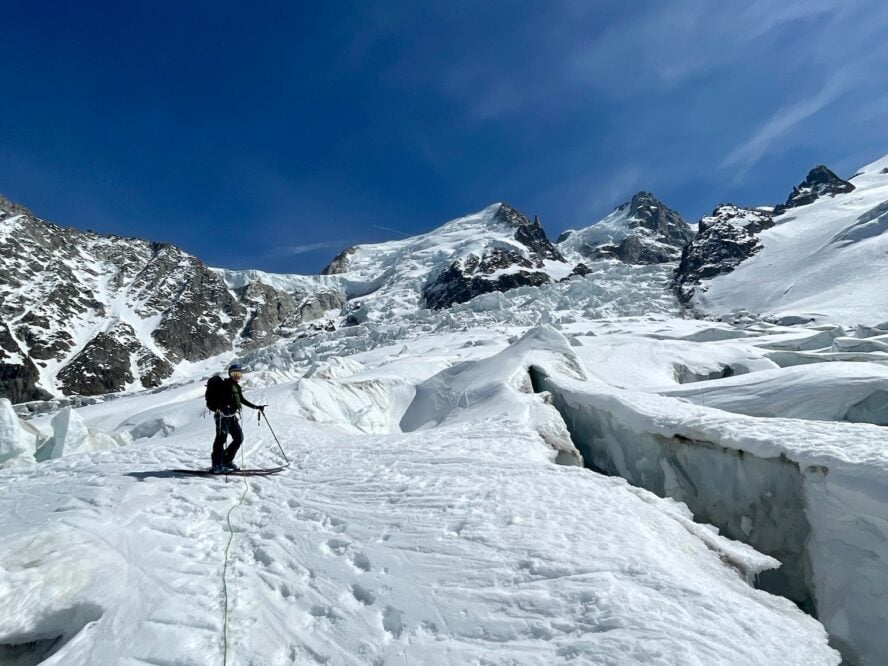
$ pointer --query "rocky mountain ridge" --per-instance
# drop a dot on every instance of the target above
(641, 231)
(731, 235)
(85, 313)
(88, 314)
(497, 268)
(724, 239)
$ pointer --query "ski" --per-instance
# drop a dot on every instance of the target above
(234, 472)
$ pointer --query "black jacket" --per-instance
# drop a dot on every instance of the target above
(234, 398)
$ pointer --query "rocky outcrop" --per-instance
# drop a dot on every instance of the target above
(636, 250)
(18, 374)
(456, 285)
(647, 212)
(18, 382)
(274, 313)
(724, 240)
(316, 305)
(530, 234)
(499, 267)
(106, 364)
(641, 231)
(65, 295)
(820, 182)
(339, 263)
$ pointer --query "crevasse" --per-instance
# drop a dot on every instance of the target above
(827, 526)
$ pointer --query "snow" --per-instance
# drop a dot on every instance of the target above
(392, 275)
(437, 510)
(827, 260)
(17, 446)
(445, 535)
(842, 391)
(288, 282)
(816, 492)
(610, 230)
(70, 434)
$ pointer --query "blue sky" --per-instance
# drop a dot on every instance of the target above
(273, 134)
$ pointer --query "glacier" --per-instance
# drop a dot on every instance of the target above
(445, 533)
(581, 471)
(812, 494)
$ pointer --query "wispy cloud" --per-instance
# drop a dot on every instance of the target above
(592, 197)
(293, 250)
(783, 121)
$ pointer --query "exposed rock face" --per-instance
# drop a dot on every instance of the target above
(315, 305)
(642, 231)
(200, 316)
(724, 239)
(820, 182)
(455, 285)
(498, 268)
(649, 213)
(105, 364)
(90, 313)
(634, 250)
(274, 313)
(339, 263)
(530, 234)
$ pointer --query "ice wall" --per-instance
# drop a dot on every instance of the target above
(499, 387)
(823, 517)
(16, 445)
(838, 391)
(71, 435)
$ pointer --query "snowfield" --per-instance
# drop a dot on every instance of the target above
(458, 542)
(572, 473)
(824, 261)
(437, 510)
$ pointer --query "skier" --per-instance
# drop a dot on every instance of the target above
(227, 421)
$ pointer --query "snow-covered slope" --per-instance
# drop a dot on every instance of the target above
(437, 409)
(641, 231)
(825, 258)
(852, 392)
(494, 250)
(457, 541)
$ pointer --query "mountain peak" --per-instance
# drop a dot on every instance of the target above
(530, 234)
(641, 231)
(642, 199)
(653, 214)
(819, 182)
(10, 208)
(512, 216)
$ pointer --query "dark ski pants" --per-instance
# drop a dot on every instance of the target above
(226, 425)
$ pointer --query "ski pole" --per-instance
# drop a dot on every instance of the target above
(262, 412)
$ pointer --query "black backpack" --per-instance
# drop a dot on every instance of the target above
(215, 393)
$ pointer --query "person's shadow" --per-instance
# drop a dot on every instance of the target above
(167, 474)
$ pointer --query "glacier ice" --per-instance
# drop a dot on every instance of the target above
(792, 489)
(71, 435)
(17, 446)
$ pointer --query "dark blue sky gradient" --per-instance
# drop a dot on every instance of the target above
(272, 135)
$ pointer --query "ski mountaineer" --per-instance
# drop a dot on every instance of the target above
(227, 421)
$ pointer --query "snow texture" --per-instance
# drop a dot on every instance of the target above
(825, 260)
(443, 534)
(437, 509)
(812, 494)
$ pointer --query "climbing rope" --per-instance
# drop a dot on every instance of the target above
(225, 568)
(231, 538)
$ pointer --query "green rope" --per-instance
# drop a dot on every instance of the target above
(225, 569)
